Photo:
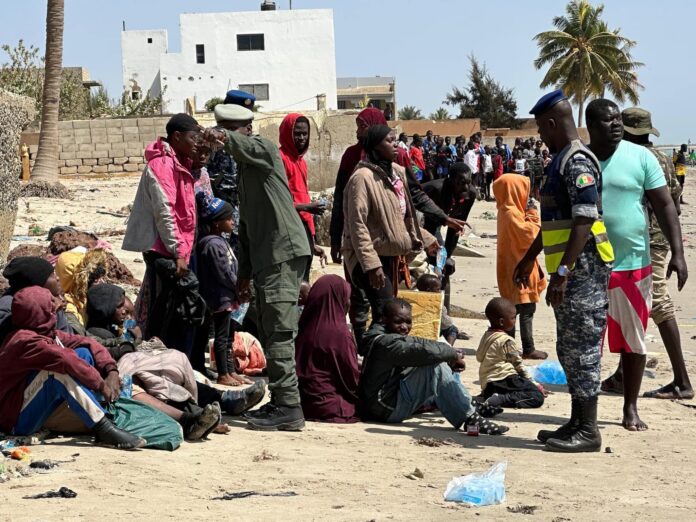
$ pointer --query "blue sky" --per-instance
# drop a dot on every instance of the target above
(425, 44)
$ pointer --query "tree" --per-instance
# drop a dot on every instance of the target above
(46, 166)
(586, 58)
(440, 114)
(409, 112)
(212, 102)
(484, 98)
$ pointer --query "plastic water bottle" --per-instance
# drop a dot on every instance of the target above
(441, 258)
(128, 325)
(239, 313)
(126, 386)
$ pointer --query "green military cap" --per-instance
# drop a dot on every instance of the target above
(638, 122)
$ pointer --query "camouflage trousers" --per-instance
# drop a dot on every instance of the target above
(579, 337)
(662, 305)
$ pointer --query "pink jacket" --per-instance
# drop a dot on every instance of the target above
(163, 218)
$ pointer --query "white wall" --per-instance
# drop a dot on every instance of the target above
(140, 61)
(299, 60)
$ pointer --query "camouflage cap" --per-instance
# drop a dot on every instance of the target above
(638, 122)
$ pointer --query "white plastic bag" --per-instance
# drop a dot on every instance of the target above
(479, 489)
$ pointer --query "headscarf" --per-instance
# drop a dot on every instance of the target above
(76, 271)
(372, 116)
(102, 302)
(352, 155)
(32, 309)
(375, 136)
(327, 364)
(517, 229)
(27, 271)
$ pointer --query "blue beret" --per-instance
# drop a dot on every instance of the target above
(242, 98)
(547, 101)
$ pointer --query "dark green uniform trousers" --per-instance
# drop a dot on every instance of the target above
(277, 291)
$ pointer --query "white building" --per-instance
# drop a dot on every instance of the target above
(286, 58)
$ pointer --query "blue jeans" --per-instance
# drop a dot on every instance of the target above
(433, 383)
(47, 390)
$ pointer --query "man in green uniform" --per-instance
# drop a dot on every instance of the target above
(273, 252)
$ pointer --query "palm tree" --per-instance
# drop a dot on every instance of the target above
(46, 166)
(409, 112)
(586, 58)
(440, 114)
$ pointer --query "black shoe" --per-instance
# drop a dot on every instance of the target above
(209, 417)
(564, 431)
(586, 438)
(236, 402)
(277, 418)
(107, 434)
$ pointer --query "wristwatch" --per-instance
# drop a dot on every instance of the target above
(563, 271)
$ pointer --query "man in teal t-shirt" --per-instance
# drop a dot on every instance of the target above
(630, 174)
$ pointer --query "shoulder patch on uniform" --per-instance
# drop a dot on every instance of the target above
(584, 180)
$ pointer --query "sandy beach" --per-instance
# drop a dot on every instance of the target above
(358, 472)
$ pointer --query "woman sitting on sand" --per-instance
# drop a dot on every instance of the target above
(327, 362)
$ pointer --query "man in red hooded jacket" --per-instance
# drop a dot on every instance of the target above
(294, 142)
(41, 367)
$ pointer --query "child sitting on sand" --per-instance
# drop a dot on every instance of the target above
(504, 379)
(402, 373)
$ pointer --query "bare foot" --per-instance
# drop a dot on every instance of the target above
(243, 379)
(536, 355)
(222, 429)
(631, 420)
(612, 385)
(670, 392)
(229, 380)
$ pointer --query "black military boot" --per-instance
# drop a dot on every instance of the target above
(564, 431)
(276, 418)
(586, 438)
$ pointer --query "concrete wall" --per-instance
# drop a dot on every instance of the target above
(113, 146)
(298, 62)
(140, 60)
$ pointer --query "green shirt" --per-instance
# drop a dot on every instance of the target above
(270, 229)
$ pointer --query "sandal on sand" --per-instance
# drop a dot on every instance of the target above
(486, 427)
(668, 392)
(612, 385)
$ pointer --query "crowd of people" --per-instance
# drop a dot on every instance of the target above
(224, 221)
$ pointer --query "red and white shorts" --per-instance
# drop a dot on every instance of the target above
(630, 302)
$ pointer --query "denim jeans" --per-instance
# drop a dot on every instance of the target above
(433, 383)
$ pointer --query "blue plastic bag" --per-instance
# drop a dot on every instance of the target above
(479, 489)
(549, 372)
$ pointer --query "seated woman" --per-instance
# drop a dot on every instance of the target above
(327, 362)
(165, 377)
(56, 367)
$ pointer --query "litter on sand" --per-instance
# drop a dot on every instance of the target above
(61, 493)
(246, 494)
(479, 489)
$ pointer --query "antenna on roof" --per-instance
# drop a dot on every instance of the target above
(124, 25)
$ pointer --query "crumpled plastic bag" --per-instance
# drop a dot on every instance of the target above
(479, 489)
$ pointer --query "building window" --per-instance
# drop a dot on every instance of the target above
(260, 90)
(135, 95)
(149, 40)
(342, 105)
(200, 53)
(250, 42)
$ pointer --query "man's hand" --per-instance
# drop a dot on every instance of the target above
(317, 208)
(181, 267)
(319, 252)
(336, 254)
(521, 274)
(432, 249)
(556, 291)
(459, 364)
(456, 224)
(214, 136)
(377, 279)
(137, 333)
(111, 388)
(244, 290)
(678, 264)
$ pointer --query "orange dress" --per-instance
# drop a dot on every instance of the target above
(517, 229)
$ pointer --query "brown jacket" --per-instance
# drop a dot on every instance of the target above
(373, 224)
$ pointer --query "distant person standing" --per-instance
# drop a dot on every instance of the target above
(294, 143)
(403, 141)
(680, 165)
